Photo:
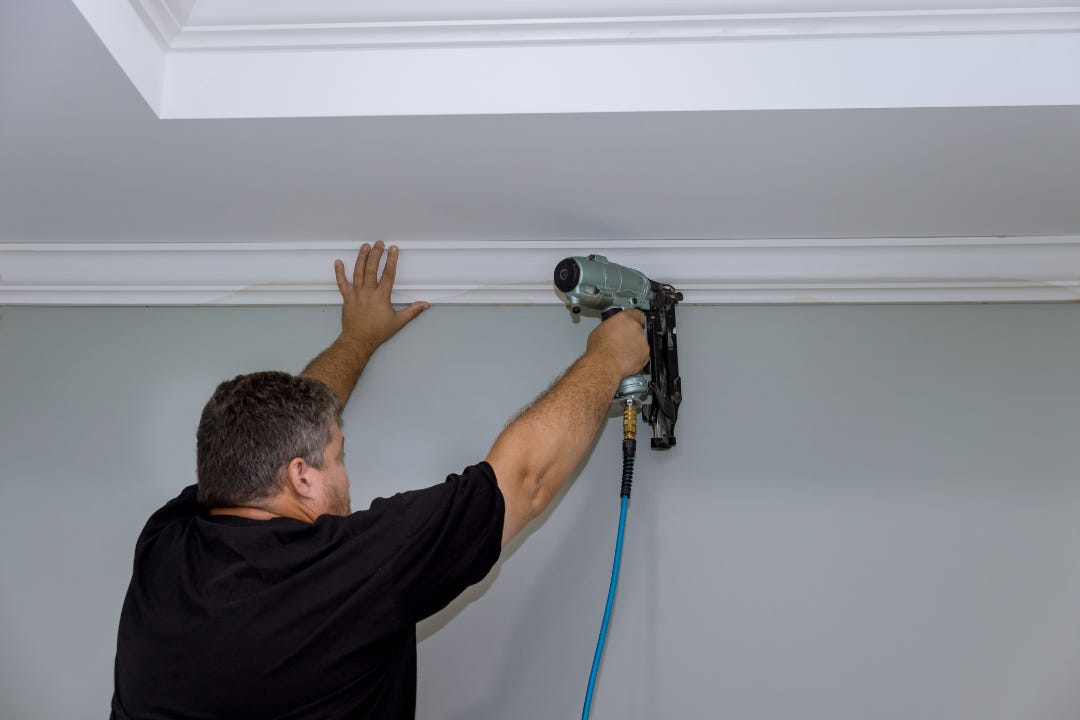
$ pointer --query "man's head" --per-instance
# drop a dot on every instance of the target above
(268, 433)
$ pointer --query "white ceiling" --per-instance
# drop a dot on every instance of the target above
(84, 159)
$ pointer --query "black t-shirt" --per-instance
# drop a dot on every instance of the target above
(228, 617)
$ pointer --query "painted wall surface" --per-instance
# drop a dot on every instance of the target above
(872, 512)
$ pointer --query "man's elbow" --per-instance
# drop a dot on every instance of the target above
(529, 493)
(525, 494)
(535, 495)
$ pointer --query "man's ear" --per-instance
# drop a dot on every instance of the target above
(298, 478)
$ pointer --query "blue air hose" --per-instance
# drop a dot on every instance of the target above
(627, 479)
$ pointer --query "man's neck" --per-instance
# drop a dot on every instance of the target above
(280, 505)
(247, 512)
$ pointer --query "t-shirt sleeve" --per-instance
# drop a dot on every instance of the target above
(183, 505)
(450, 537)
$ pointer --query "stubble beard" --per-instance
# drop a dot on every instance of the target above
(340, 504)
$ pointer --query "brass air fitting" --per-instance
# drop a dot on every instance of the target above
(629, 420)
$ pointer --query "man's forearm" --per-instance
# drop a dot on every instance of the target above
(563, 422)
(537, 452)
(340, 366)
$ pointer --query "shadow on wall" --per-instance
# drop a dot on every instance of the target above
(440, 620)
(549, 601)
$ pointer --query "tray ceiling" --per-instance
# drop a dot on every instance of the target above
(245, 58)
(936, 159)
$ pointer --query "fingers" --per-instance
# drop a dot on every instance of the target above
(630, 315)
(637, 315)
(408, 314)
(361, 263)
(366, 269)
(339, 274)
(371, 269)
(386, 284)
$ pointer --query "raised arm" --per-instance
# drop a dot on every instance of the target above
(537, 452)
(367, 320)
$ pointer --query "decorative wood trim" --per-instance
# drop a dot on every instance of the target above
(894, 58)
(709, 272)
(159, 16)
(594, 30)
(967, 70)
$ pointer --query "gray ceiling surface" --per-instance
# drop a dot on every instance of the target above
(83, 159)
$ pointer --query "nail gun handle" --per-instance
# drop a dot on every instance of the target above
(609, 312)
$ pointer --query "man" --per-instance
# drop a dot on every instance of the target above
(257, 593)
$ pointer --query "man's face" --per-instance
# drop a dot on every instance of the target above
(335, 480)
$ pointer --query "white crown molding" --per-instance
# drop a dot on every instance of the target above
(594, 30)
(187, 66)
(161, 17)
(709, 272)
(965, 70)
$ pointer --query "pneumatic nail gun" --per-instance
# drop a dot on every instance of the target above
(596, 284)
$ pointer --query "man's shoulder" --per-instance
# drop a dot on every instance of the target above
(184, 505)
(473, 490)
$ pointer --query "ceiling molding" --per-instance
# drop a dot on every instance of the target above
(963, 70)
(160, 16)
(593, 30)
(709, 272)
(252, 60)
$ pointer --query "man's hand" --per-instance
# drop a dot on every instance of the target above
(367, 320)
(620, 342)
(367, 317)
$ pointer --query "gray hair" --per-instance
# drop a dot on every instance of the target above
(250, 429)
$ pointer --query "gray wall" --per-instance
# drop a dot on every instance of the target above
(872, 511)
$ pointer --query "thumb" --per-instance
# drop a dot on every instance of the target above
(408, 314)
